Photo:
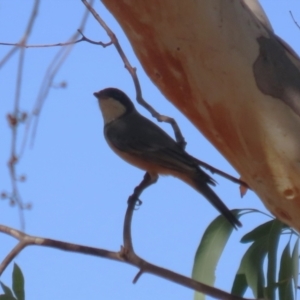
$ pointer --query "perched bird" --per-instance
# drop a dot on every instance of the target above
(145, 145)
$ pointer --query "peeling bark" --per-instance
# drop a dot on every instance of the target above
(276, 75)
(209, 59)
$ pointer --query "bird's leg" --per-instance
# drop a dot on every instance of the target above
(149, 179)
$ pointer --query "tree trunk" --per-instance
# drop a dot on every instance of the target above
(222, 66)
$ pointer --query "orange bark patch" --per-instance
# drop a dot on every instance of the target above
(283, 215)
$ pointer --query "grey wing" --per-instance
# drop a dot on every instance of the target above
(139, 136)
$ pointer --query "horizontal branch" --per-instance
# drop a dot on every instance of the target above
(82, 39)
(29, 240)
(121, 256)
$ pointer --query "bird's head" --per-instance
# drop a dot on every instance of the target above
(113, 104)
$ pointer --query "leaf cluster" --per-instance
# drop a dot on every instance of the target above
(258, 266)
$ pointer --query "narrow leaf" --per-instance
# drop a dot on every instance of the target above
(258, 232)
(273, 240)
(6, 289)
(209, 251)
(251, 267)
(285, 286)
(295, 264)
(7, 297)
(240, 285)
(254, 267)
(18, 283)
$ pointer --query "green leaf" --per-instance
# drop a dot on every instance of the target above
(240, 285)
(258, 232)
(251, 267)
(7, 297)
(285, 286)
(295, 264)
(6, 289)
(18, 283)
(273, 240)
(209, 251)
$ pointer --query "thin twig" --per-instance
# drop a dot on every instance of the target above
(18, 45)
(8, 56)
(45, 87)
(50, 74)
(178, 135)
(13, 155)
(26, 34)
(14, 118)
(296, 23)
(137, 276)
(82, 39)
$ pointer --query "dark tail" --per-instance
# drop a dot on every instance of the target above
(201, 186)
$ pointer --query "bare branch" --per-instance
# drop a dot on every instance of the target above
(27, 240)
(122, 256)
(126, 254)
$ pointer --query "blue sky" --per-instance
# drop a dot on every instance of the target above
(78, 187)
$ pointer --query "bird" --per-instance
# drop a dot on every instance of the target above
(145, 145)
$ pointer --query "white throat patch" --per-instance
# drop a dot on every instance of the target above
(111, 109)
